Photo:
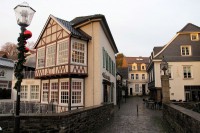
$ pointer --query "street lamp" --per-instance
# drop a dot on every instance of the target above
(164, 65)
(24, 14)
(118, 89)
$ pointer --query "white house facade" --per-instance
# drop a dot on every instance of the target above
(75, 62)
(182, 55)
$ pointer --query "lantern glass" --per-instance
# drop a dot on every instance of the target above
(24, 14)
(118, 77)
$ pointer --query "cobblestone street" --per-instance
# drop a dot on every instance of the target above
(126, 120)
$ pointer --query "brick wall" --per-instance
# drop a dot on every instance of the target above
(81, 120)
(180, 120)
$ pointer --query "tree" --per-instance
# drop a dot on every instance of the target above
(11, 49)
(119, 59)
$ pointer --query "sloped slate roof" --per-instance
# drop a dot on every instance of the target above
(74, 32)
(123, 72)
(131, 60)
(6, 62)
(190, 28)
(83, 19)
(157, 49)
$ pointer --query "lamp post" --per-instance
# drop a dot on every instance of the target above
(24, 14)
(164, 65)
(165, 98)
(118, 89)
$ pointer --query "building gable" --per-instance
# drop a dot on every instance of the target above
(52, 32)
(173, 51)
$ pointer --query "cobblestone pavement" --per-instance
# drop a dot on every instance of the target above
(126, 119)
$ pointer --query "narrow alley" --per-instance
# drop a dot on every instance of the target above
(127, 120)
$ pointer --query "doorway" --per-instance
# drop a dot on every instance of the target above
(131, 91)
(143, 89)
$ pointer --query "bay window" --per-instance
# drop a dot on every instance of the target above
(79, 52)
(63, 52)
(50, 55)
(40, 57)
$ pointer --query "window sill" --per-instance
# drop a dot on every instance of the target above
(188, 78)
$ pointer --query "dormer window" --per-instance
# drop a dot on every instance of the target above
(194, 37)
(143, 67)
(134, 66)
(185, 50)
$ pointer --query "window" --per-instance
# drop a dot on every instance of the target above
(3, 86)
(187, 72)
(24, 92)
(143, 76)
(103, 53)
(132, 76)
(45, 92)
(64, 88)
(169, 72)
(40, 57)
(134, 66)
(2, 73)
(136, 76)
(79, 52)
(54, 92)
(194, 37)
(143, 67)
(50, 57)
(137, 88)
(63, 52)
(77, 92)
(185, 50)
(34, 92)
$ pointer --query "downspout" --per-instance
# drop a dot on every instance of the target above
(92, 59)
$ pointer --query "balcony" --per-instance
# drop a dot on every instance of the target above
(28, 75)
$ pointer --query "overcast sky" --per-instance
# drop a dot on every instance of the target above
(136, 25)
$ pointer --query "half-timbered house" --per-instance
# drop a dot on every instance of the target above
(75, 61)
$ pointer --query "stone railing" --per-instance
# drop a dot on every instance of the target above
(180, 120)
(80, 120)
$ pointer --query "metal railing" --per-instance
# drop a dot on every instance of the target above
(28, 75)
(8, 107)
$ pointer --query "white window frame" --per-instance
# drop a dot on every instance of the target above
(24, 92)
(143, 76)
(188, 71)
(62, 53)
(45, 92)
(64, 91)
(41, 55)
(75, 90)
(48, 56)
(196, 35)
(132, 76)
(183, 48)
(34, 92)
(73, 40)
(54, 98)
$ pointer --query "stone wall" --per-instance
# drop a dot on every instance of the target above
(81, 120)
(180, 120)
